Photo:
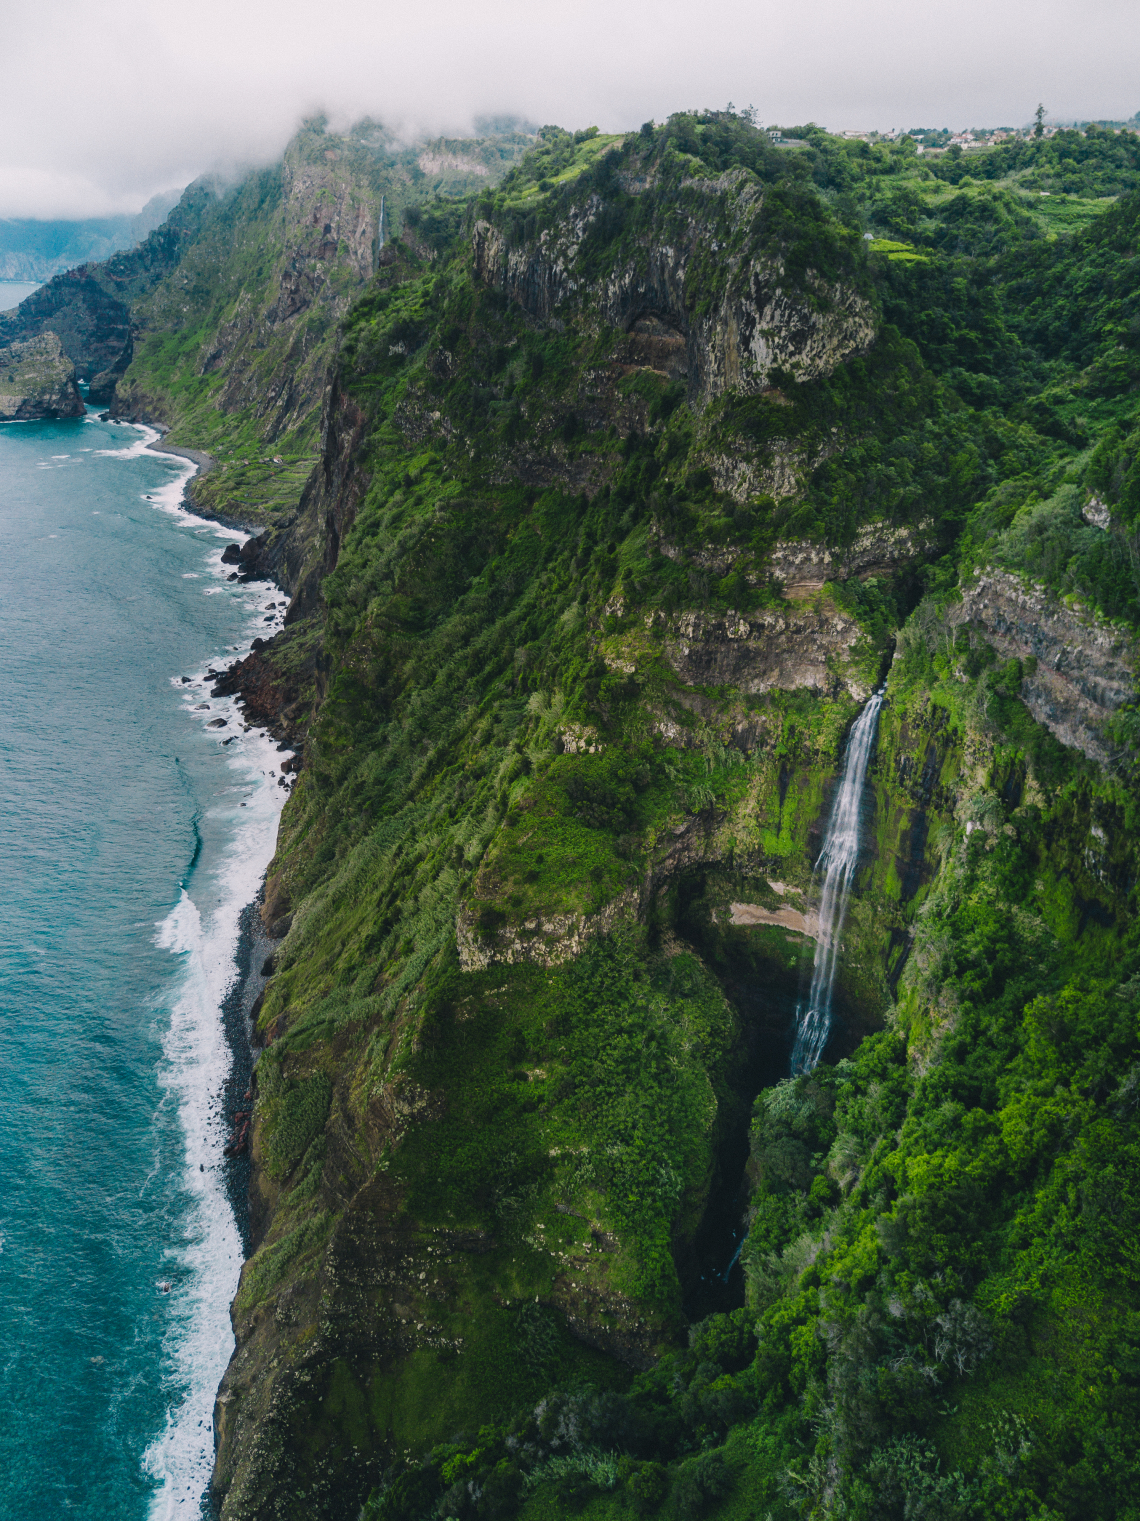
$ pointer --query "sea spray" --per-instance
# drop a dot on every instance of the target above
(207, 1259)
(837, 862)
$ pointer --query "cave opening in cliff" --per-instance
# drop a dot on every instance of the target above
(761, 970)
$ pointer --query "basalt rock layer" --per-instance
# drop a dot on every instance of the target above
(1081, 670)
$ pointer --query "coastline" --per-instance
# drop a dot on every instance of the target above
(238, 994)
(254, 948)
(147, 1223)
(255, 944)
(204, 462)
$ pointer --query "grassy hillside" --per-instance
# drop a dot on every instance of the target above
(637, 471)
(232, 348)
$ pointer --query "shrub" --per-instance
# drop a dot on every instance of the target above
(701, 1480)
(293, 1120)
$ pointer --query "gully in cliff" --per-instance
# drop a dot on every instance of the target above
(837, 861)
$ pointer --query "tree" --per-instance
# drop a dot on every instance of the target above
(1039, 115)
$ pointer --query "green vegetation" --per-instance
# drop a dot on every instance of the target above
(235, 346)
(598, 613)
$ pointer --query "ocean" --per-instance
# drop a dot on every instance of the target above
(134, 828)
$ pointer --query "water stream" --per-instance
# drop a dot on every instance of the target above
(837, 862)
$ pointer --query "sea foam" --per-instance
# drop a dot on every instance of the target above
(202, 930)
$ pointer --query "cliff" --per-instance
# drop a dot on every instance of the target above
(606, 494)
(37, 380)
(1078, 668)
(580, 698)
(625, 494)
(723, 322)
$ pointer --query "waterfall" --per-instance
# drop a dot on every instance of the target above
(837, 861)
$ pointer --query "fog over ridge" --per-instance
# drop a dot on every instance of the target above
(103, 107)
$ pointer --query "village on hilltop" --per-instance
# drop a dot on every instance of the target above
(935, 140)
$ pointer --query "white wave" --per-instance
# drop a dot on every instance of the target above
(203, 929)
(169, 498)
(205, 1270)
(136, 447)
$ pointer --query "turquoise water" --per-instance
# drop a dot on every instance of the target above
(131, 836)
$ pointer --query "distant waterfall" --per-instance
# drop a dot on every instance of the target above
(837, 861)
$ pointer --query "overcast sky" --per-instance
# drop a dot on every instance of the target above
(103, 104)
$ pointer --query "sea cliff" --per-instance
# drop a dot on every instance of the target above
(605, 494)
(37, 380)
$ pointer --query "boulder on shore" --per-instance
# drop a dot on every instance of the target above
(37, 380)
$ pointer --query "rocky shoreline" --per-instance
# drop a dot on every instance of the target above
(265, 701)
(253, 952)
(205, 462)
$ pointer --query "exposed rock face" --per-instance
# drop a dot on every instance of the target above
(879, 549)
(38, 380)
(544, 941)
(785, 917)
(1096, 513)
(780, 473)
(327, 230)
(1085, 668)
(789, 647)
(330, 500)
(435, 162)
(802, 566)
(758, 324)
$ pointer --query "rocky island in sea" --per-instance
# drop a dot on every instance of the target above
(608, 478)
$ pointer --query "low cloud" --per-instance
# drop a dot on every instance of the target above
(103, 106)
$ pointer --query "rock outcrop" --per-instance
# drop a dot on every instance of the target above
(802, 566)
(38, 380)
(784, 917)
(1080, 669)
(795, 646)
(543, 940)
(730, 335)
(878, 549)
(92, 325)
